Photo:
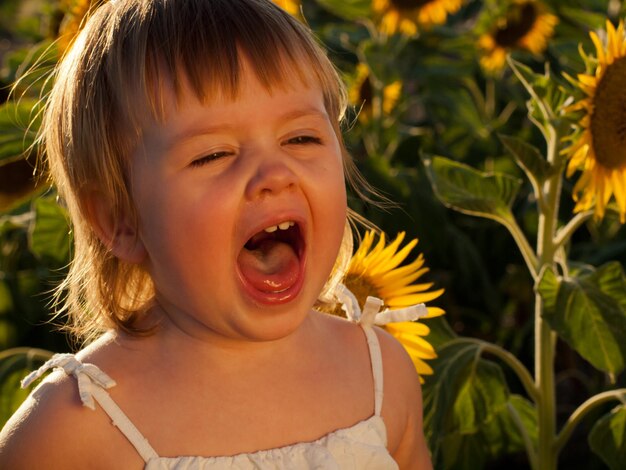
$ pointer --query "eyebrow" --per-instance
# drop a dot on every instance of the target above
(305, 112)
(192, 132)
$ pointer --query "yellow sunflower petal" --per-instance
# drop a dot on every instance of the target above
(399, 17)
(577, 159)
(434, 312)
(396, 283)
(391, 95)
(290, 6)
(374, 271)
(400, 273)
(408, 327)
(385, 253)
(525, 25)
(413, 289)
(597, 143)
(619, 190)
(599, 47)
(418, 347)
(421, 366)
(417, 298)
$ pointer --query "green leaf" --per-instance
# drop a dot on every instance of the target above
(608, 438)
(502, 434)
(583, 17)
(547, 95)
(348, 9)
(49, 235)
(462, 398)
(9, 334)
(15, 364)
(588, 311)
(17, 129)
(29, 295)
(529, 159)
(496, 437)
(467, 190)
(6, 302)
(30, 68)
(462, 452)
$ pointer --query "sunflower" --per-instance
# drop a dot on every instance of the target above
(290, 6)
(361, 93)
(406, 15)
(599, 144)
(526, 25)
(373, 271)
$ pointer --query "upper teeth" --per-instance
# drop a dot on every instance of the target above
(282, 226)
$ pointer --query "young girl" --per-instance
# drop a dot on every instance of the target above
(197, 146)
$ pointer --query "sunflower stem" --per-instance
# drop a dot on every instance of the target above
(566, 232)
(544, 379)
(582, 410)
(545, 338)
(490, 97)
(522, 243)
(545, 111)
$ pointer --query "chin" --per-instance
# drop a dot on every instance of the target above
(278, 321)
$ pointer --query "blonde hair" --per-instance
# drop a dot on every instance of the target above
(128, 50)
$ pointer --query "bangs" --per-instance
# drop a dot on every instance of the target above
(204, 44)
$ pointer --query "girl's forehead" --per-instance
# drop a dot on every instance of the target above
(178, 91)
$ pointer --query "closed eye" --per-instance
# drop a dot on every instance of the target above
(209, 158)
(304, 140)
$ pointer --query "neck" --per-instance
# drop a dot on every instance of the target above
(198, 343)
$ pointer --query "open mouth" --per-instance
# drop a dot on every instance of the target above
(271, 263)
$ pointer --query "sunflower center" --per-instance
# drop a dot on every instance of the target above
(608, 121)
(517, 26)
(361, 287)
(410, 4)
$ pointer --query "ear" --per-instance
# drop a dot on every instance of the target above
(116, 232)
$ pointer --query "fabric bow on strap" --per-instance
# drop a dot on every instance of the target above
(371, 314)
(87, 376)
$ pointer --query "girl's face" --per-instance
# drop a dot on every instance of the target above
(242, 208)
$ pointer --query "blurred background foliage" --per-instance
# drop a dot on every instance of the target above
(430, 80)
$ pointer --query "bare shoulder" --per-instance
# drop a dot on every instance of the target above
(402, 401)
(53, 429)
(402, 405)
(49, 429)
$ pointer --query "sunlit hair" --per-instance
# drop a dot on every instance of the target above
(127, 51)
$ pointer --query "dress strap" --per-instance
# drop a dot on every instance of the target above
(92, 385)
(376, 359)
(367, 318)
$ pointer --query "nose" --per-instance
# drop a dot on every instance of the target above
(271, 176)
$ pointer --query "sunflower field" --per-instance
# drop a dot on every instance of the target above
(498, 130)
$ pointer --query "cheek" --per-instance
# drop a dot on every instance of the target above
(334, 208)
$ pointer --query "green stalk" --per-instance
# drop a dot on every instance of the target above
(522, 243)
(585, 408)
(544, 337)
(544, 377)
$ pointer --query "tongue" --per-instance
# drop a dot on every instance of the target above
(272, 266)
